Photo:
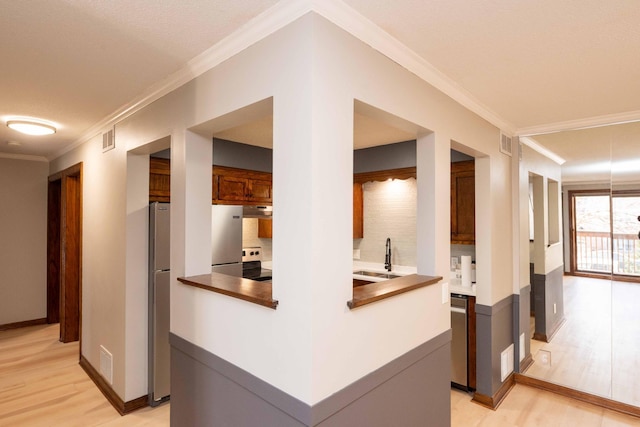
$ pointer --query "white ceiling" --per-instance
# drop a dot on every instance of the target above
(536, 65)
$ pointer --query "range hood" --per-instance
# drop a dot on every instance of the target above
(264, 212)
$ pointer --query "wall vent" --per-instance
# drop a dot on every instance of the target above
(106, 364)
(506, 146)
(108, 141)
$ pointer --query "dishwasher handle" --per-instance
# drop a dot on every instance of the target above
(458, 310)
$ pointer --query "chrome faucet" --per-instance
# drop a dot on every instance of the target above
(387, 256)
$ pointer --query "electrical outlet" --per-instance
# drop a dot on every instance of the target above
(454, 262)
(356, 254)
(544, 357)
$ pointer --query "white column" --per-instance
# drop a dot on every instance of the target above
(434, 205)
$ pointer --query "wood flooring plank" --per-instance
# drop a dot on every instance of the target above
(43, 394)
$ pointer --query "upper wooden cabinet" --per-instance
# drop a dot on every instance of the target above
(463, 203)
(241, 186)
(159, 180)
(358, 211)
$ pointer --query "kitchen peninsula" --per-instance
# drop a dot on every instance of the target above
(261, 293)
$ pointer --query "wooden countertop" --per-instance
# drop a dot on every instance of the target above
(261, 292)
(245, 289)
(376, 291)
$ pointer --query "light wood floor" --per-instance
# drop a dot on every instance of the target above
(41, 384)
(597, 350)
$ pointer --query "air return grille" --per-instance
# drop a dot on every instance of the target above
(108, 141)
(106, 364)
(505, 144)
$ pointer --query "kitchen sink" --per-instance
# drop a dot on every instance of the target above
(376, 274)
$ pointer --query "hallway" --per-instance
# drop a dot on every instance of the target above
(41, 384)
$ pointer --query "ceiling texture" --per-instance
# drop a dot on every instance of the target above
(528, 66)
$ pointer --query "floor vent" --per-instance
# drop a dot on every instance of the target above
(106, 364)
(108, 141)
(506, 144)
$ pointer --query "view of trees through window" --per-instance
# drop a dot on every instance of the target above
(606, 239)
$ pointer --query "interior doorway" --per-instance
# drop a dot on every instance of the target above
(64, 252)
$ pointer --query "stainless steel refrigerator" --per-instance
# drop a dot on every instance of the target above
(159, 303)
(226, 239)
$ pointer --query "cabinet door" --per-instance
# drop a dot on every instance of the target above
(463, 203)
(358, 211)
(159, 180)
(259, 191)
(232, 189)
(265, 229)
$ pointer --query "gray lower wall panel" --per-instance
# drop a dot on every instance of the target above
(494, 333)
(548, 290)
(412, 390)
(524, 327)
(412, 398)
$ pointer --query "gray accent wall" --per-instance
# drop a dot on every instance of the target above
(235, 155)
(412, 390)
(547, 292)
(523, 324)
(494, 333)
(243, 156)
(383, 157)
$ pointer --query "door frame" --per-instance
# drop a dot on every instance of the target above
(64, 252)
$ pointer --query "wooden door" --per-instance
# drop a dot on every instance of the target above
(54, 260)
(64, 243)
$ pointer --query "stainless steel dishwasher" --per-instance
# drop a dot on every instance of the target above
(459, 340)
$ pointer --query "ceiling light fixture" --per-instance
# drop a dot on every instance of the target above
(31, 127)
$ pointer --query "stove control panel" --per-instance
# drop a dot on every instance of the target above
(252, 254)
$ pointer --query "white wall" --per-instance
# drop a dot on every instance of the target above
(23, 251)
(312, 345)
(104, 195)
(389, 211)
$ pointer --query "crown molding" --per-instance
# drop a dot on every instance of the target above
(534, 145)
(23, 157)
(591, 122)
(275, 18)
(365, 30)
(256, 29)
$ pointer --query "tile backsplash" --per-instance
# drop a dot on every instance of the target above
(389, 211)
(250, 238)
